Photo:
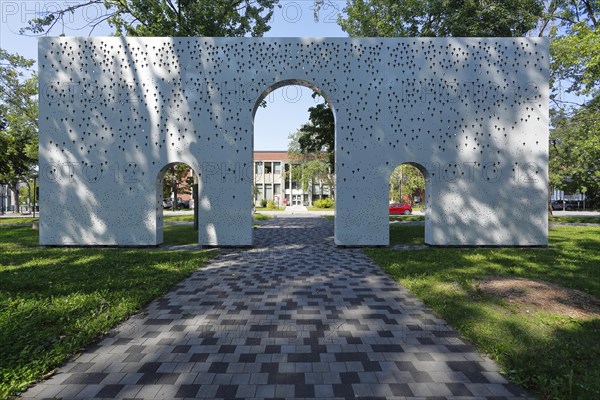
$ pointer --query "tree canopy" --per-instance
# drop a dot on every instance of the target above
(18, 120)
(575, 47)
(309, 167)
(392, 18)
(170, 18)
(406, 182)
(575, 117)
(318, 134)
(575, 150)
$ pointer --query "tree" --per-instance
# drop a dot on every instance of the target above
(392, 18)
(575, 47)
(18, 116)
(318, 134)
(575, 150)
(406, 180)
(309, 168)
(170, 17)
(575, 69)
(178, 179)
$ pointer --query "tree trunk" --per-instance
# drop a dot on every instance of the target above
(174, 188)
(195, 197)
(13, 186)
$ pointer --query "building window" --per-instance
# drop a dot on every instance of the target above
(277, 189)
(258, 168)
(260, 192)
(277, 168)
(267, 168)
(269, 191)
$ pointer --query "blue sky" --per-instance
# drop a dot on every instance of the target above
(286, 108)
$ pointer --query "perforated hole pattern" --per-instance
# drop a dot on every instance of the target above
(472, 113)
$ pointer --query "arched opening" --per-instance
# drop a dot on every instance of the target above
(176, 205)
(293, 149)
(408, 204)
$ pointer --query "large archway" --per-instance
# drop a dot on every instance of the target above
(472, 105)
(410, 184)
(293, 176)
(176, 195)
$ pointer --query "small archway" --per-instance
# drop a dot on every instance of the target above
(282, 180)
(409, 197)
(177, 193)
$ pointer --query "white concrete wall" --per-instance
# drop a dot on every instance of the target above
(472, 112)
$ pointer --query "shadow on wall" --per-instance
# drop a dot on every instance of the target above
(472, 112)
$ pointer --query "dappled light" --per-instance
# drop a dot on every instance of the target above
(472, 112)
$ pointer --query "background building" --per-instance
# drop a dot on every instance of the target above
(273, 181)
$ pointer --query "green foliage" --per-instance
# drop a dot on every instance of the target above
(406, 180)
(309, 167)
(391, 18)
(271, 205)
(18, 120)
(263, 203)
(55, 302)
(178, 179)
(325, 203)
(171, 18)
(575, 150)
(318, 134)
(576, 58)
(575, 130)
(553, 355)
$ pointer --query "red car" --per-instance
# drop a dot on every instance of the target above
(400, 208)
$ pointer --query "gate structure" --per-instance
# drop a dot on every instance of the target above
(471, 113)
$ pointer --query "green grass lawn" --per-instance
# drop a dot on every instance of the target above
(313, 208)
(19, 220)
(190, 218)
(554, 356)
(393, 217)
(178, 218)
(56, 301)
(406, 234)
(407, 218)
(270, 209)
(576, 219)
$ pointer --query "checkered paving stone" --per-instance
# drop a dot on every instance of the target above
(293, 317)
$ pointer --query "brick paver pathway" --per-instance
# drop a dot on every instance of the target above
(294, 317)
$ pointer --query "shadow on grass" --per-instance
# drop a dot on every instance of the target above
(56, 301)
(553, 355)
(406, 234)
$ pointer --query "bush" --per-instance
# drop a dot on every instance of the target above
(271, 204)
(263, 203)
(324, 203)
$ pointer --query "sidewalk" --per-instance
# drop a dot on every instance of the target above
(294, 317)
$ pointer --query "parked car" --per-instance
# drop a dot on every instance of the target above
(182, 203)
(167, 202)
(400, 208)
(566, 205)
